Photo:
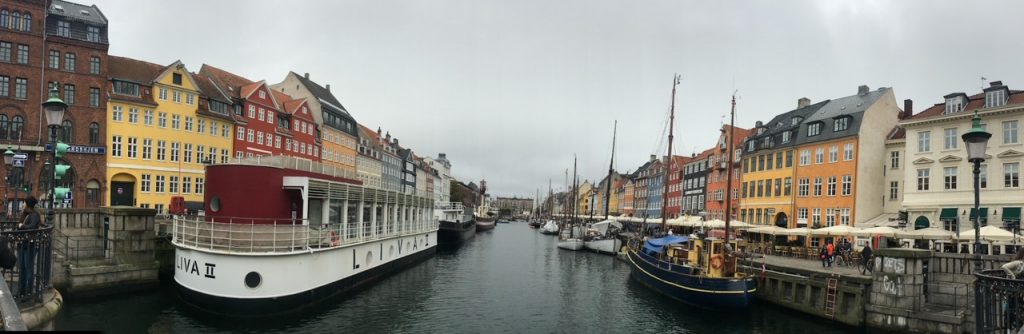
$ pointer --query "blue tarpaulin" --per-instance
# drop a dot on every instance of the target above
(658, 245)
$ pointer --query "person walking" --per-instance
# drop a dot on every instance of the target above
(823, 254)
(865, 258)
(1016, 267)
(831, 252)
(26, 255)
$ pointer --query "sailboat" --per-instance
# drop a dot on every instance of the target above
(701, 271)
(569, 239)
(602, 236)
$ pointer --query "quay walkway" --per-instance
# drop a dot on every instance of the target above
(806, 264)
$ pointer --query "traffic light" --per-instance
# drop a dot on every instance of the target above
(60, 171)
(61, 193)
(62, 149)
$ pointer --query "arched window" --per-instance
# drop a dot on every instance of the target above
(4, 18)
(17, 123)
(94, 133)
(4, 124)
(15, 21)
(27, 22)
(66, 135)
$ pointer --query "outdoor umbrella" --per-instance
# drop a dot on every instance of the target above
(837, 230)
(988, 233)
(884, 231)
(930, 233)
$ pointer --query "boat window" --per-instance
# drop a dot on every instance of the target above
(334, 212)
(316, 212)
(253, 279)
(716, 248)
(215, 204)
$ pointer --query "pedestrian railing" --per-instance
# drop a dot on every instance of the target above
(250, 235)
(30, 277)
(75, 249)
(1002, 302)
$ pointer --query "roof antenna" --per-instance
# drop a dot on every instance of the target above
(983, 79)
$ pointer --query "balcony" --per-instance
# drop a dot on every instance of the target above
(1002, 302)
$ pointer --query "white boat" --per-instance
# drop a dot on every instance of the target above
(601, 237)
(549, 228)
(604, 246)
(571, 244)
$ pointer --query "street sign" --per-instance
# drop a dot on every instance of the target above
(18, 163)
(21, 156)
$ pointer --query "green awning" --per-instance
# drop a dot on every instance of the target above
(948, 214)
(921, 222)
(1012, 214)
(984, 214)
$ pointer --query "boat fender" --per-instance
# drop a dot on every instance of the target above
(335, 239)
(716, 261)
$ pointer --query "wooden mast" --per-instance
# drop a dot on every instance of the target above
(611, 164)
(668, 166)
(728, 164)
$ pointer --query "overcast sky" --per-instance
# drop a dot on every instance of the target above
(510, 90)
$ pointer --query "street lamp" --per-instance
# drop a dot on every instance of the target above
(976, 142)
(54, 109)
(8, 160)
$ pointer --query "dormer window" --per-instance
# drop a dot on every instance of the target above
(995, 98)
(760, 131)
(954, 104)
(785, 136)
(796, 120)
(750, 146)
(841, 124)
(813, 129)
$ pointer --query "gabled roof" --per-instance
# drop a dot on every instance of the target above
(210, 88)
(975, 102)
(369, 134)
(320, 92)
(896, 133)
(227, 80)
(247, 90)
(128, 69)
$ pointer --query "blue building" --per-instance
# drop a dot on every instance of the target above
(655, 189)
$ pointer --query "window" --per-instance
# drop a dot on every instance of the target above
(224, 131)
(983, 177)
(949, 139)
(252, 111)
(172, 184)
(94, 97)
(778, 187)
(94, 133)
(831, 186)
(66, 133)
(133, 147)
(54, 59)
(147, 117)
(199, 185)
(6, 50)
(118, 113)
(200, 154)
(147, 149)
(133, 115)
(5, 17)
(259, 137)
(175, 122)
(760, 188)
(277, 141)
(848, 152)
(819, 155)
(63, 28)
(995, 98)
(778, 160)
(767, 188)
(847, 185)
(187, 156)
(145, 185)
(768, 161)
(159, 183)
(813, 129)
(785, 136)
(126, 88)
(115, 146)
(841, 124)
(817, 218)
(803, 187)
(805, 157)
(202, 125)
(833, 153)
(188, 123)
(241, 133)
(94, 65)
(953, 104)
(844, 216)
(213, 128)
(894, 190)
(175, 151)
(5, 85)
(176, 79)
(176, 96)
(23, 53)
(924, 143)
(1011, 175)
(69, 94)
(830, 217)
(26, 22)
(801, 214)
(161, 150)
(894, 159)
(69, 61)
(817, 187)
(190, 99)
(163, 93)
(760, 162)
(162, 120)
(224, 156)
(250, 137)
(1010, 132)
(923, 176)
(21, 88)
(261, 114)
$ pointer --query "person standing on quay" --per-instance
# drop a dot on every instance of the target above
(1016, 267)
(831, 252)
(26, 265)
(823, 254)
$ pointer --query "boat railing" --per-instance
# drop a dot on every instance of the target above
(307, 165)
(450, 206)
(252, 235)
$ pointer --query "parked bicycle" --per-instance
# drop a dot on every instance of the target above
(867, 266)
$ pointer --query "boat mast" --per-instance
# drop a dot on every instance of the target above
(611, 164)
(671, 121)
(728, 173)
(575, 198)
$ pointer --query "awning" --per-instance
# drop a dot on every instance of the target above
(921, 222)
(1011, 214)
(984, 214)
(948, 214)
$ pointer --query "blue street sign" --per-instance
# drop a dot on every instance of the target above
(81, 149)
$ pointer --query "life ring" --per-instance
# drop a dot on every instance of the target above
(716, 262)
(335, 239)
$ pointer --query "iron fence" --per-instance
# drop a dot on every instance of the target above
(30, 277)
(1002, 302)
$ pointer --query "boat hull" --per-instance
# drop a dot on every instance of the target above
(454, 234)
(695, 290)
(571, 244)
(484, 225)
(222, 289)
(604, 246)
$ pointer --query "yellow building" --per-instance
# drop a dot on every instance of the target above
(159, 137)
(769, 167)
(587, 197)
(338, 129)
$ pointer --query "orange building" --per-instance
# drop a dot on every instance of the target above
(718, 176)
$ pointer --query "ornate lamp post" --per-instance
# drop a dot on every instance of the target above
(8, 161)
(54, 109)
(976, 142)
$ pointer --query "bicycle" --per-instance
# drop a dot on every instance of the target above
(844, 258)
(866, 267)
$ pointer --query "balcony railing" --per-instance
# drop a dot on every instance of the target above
(1002, 302)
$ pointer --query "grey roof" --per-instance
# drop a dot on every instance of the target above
(852, 106)
(780, 124)
(91, 14)
(321, 93)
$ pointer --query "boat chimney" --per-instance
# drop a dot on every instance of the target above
(862, 90)
(803, 102)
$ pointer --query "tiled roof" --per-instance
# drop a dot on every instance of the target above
(134, 70)
(897, 133)
(227, 80)
(372, 135)
(975, 102)
(210, 88)
(247, 90)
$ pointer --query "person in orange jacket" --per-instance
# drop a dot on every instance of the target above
(831, 253)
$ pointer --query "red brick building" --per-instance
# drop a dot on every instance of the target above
(675, 181)
(73, 58)
(716, 186)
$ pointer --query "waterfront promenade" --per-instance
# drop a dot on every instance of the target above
(806, 264)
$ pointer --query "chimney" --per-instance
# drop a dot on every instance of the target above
(995, 83)
(803, 102)
(862, 90)
(378, 131)
(306, 75)
(664, 158)
(654, 157)
(758, 124)
(328, 86)
(908, 109)
(441, 156)
(396, 141)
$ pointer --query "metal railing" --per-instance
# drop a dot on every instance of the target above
(281, 161)
(72, 249)
(449, 206)
(1002, 301)
(250, 235)
(30, 277)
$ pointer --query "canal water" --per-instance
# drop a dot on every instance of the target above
(509, 280)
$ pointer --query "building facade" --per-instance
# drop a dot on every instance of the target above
(339, 131)
(655, 191)
(444, 173)
(694, 183)
(675, 186)
(717, 188)
(368, 162)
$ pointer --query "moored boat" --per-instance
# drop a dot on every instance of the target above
(602, 237)
(455, 225)
(484, 224)
(691, 271)
(571, 244)
(312, 233)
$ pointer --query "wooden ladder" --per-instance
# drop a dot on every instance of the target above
(830, 297)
